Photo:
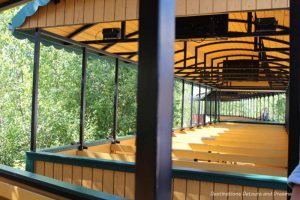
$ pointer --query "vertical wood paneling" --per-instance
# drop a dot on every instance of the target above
(235, 189)
(60, 13)
(78, 11)
(34, 20)
(123, 184)
(77, 175)
(280, 4)
(51, 14)
(179, 192)
(120, 13)
(39, 167)
(220, 190)
(26, 23)
(42, 16)
(249, 193)
(264, 4)
(67, 173)
(249, 4)
(69, 12)
(119, 183)
(193, 190)
(131, 9)
(234, 5)
(97, 183)
(137, 10)
(220, 5)
(49, 169)
(58, 171)
(129, 185)
(192, 7)
(181, 7)
(89, 11)
(108, 181)
(206, 6)
(206, 190)
(265, 194)
(87, 177)
(99, 11)
(109, 10)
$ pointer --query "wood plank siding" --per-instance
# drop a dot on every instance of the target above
(73, 12)
(122, 184)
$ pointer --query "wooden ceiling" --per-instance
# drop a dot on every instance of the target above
(274, 70)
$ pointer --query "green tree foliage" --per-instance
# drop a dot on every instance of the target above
(177, 103)
(59, 96)
(15, 93)
(254, 107)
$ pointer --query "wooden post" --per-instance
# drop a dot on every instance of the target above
(83, 98)
(192, 102)
(116, 94)
(35, 89)
(182, 102)
(205, 107)
(294, 90)
(155, 99)
(199, 105)
(210, 109)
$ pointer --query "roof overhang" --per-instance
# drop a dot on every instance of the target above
(200, 60)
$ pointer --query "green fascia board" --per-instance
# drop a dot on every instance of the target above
(53, 186)
(87, 144)
(27, 11)
(46, 41)
(82, 161)
(251, 180)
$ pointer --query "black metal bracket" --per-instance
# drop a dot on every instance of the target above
(115, 142)
(80, 148)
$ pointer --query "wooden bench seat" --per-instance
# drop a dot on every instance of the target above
(248, 144)
(213, 156)
(221, 167)
(259, 151)
(242, 148)
(212, 166)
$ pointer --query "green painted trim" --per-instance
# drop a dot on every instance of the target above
(87, 144)
(253, 122)
(46, 41)
(53, 186)
(251, 180)
(82, 161)
(29, 164)
(27, 11)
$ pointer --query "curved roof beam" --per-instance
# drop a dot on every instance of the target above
(222, 50)
(225, 42)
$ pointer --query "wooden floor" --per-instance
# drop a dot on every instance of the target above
(225, 147)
